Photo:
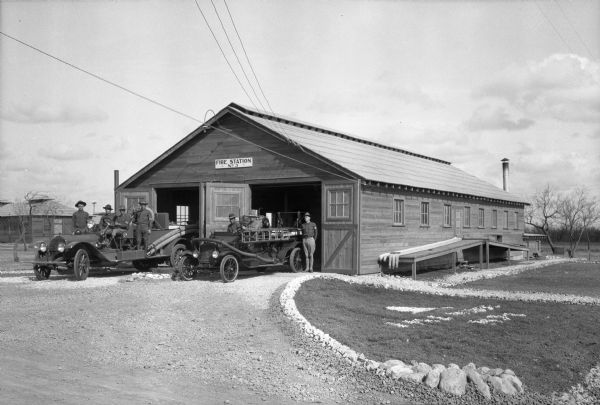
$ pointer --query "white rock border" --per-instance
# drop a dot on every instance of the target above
(451, 379)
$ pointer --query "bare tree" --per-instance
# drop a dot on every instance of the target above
(577, 213)
(542, 214)
(23, 210)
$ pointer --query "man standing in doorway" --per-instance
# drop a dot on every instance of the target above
(143, 220)
(309, 238)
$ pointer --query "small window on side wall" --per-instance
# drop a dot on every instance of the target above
(447, 215)
(424, 213)
(398, 211)
(338, 201)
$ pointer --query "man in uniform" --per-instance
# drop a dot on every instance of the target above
(143, 220)
(234, 226)
(122, 219)
(309, 238)
(80, 218)
(121, 222)
(108, 217)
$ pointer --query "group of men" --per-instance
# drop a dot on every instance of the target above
(309, 237)
(117, 222)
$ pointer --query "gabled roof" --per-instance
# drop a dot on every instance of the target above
(367, 160)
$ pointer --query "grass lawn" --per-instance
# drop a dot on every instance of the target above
(564, 278)
(550, 346)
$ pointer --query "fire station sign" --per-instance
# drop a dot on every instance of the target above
(233, 163)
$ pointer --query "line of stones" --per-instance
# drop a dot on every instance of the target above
(451, 379)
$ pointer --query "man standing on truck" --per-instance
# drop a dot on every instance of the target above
(143, 220)
(80, 218)
(309, 238)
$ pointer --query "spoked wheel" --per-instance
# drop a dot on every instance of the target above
(178, 249)
(42, 272)
(81, 264)
(296, 260)
(229, 268)
(185, 268)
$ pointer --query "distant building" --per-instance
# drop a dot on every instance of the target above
(47, 219)
(366, 198)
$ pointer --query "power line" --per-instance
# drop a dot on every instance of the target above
(277, 123)
(236, 55)
(574, 29)
(247, 58)
(224, 56)
(553, 27)
(101, 78)
(169, 108)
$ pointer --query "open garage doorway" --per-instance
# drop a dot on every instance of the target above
(289, 200)
(180, 204)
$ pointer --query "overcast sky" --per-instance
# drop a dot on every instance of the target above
(471, 82)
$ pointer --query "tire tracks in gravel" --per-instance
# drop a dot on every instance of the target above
(164, 342)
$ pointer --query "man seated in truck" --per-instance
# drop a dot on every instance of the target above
(234, 226)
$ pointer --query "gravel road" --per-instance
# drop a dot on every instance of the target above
(156, 341)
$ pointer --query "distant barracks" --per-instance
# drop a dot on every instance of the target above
(366, 198)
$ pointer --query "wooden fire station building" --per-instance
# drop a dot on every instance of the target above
(366, 198)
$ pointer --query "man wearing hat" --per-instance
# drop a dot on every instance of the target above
(143, 220)
(122, 218)
(309, 238)
(80, 218)
(108, 217)
(234, 226)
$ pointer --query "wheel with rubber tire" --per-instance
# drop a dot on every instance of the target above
(81, 264)
(296, 260)
(185, 268)
(229, 268)
(176, 252)
(42, 272)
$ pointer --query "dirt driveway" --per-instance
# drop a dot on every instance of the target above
(106, 340)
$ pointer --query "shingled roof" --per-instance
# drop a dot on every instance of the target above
(377, 163)
(368, 161)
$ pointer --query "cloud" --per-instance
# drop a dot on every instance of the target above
(67, 152)
(38, 114)
(495, 118)
(563, 87)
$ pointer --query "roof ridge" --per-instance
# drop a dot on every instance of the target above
(278, 118)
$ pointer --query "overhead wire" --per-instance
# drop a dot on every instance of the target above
(95, 76)
(574, 29)
(247, 57)
(236, 55)
(224, 56)
(101, 78)
(277, 123)
(553, 26)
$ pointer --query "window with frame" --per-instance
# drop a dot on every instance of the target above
(516, 217)
(494, 218)
(505, 219)
(467, 217)
(182, 214)
(481, 221)
(339, 203)
(447, 215)
(226, 203)
(398, 211)
(424, 213)
(133, 203)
